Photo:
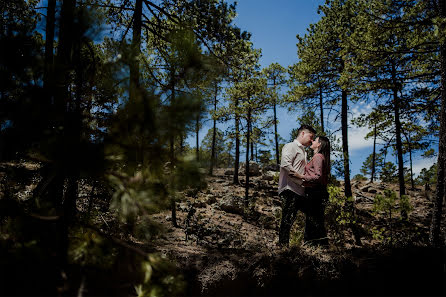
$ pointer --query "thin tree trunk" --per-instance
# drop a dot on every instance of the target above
(434, 234)
(256, 150)
(399, 145)
(63, 157)
(247, 159)
(411, 163)
(181, 144)
(344, 115)
(197, 131)
(374, 154)
(49, 45)
(136, 48)
(237, 146)
(321, 107)
(172, 151)
(347, 185)
(252, 149)
(214, 133)
(276, 135)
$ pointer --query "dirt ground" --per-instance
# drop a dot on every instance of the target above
(224, 248)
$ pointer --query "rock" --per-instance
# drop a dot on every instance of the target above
(262, 184)
(269, 175)
(272, 167)
(277, 211)
(229, 172)
(373, 191)
(365, 188)
(254, 169)
(268, 222)
(210, 199)
(168, 218)
(200, 204)
(232, 204)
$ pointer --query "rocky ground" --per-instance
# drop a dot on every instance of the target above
(229, 251)
(224, 248)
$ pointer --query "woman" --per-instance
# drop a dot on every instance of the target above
(315, 180)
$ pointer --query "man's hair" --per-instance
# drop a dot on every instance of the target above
(306, 128)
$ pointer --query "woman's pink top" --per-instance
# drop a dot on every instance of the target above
(315, 171)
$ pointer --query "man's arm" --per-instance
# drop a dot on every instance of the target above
(286, 162)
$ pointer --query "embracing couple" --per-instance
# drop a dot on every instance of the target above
(303, 185)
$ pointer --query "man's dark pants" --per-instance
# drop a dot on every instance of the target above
(313, 205)
(291, 203)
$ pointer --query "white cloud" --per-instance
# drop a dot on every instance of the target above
(421, 163)
(356, 138)
(356, 135)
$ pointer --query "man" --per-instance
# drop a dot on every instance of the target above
(291, 190)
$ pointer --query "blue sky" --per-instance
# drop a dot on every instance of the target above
(274, 25)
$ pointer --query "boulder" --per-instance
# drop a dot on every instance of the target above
(232, 204)
(254, 169)
(365, 188)
(210, 199)
(272, 167)
(229, 172)
(269, 175)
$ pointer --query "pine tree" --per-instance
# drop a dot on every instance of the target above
(275, 74)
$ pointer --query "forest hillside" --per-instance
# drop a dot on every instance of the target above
(107, 187)
(221, 248)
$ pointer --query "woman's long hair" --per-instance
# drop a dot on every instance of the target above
(324, 149)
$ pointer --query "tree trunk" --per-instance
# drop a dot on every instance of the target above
(374, 154)
(256, 150)
(64, 159)
(321, 107)
(237, 146)
(136, 48)
(172, 151)
(434, 234)
(399, 145)
(276, 135)
(411, 163)
(214, 133)
(252, 149)
(197, 131)
(347, 185)
(181, 144)
(344, 116)
(49, 45)
(247, 159)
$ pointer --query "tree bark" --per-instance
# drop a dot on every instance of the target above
(248, 135)
(64, 158)
(252, 149)
(399, 145)
(172, 150)
(214, 133)
(136, 48)
(374, 154)
(321, 108)
(49, 45)
(276, 134)
(410, 160)
(197, 131)
(344, 124)
(237, 145)
(434, 234)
